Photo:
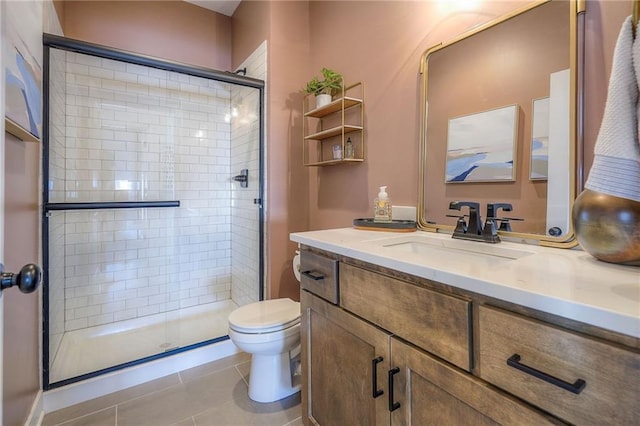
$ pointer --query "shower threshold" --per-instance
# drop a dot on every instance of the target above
(91, 349)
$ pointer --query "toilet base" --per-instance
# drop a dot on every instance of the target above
(273, 377)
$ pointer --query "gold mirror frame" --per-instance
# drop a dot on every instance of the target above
(577, 8)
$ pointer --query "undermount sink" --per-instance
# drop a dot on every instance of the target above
(450, 249)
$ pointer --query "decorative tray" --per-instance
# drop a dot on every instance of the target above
(393, 226)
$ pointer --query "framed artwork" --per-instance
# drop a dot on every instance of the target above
(481, 147)
(539, 164)
(22, 57)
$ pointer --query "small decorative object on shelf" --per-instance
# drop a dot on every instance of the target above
(325, 89)
(348, 149)
(337, 152)
(338, 124)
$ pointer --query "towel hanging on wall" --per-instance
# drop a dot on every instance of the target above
(616, 166)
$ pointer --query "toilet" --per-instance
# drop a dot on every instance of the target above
(269, 330)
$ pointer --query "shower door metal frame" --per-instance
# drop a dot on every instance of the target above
(63, 43)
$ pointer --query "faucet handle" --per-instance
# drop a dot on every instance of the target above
(461, 224)
(505, 222)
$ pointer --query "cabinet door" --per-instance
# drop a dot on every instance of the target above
(431, 392)
(340, 355)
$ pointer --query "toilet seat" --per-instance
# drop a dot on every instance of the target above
(266, 316)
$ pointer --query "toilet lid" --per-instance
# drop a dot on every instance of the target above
(265, 316)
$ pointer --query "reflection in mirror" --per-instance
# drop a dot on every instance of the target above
(473, 150)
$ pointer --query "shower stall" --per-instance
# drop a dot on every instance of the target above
(152, 206)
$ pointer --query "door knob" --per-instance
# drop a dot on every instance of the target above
(27, 280)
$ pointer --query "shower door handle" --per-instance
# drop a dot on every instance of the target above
(27, 280)
(243, 178)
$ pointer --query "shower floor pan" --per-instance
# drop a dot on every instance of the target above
(96, 348)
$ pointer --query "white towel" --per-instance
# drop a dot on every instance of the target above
(616, 166)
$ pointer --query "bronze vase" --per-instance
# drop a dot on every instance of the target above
(608, 227)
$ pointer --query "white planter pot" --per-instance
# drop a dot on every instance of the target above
(322, 100)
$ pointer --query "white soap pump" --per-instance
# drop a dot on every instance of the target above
(382, 206)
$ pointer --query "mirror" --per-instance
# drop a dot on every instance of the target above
(499, 123)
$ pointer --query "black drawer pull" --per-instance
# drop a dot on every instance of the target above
(576, 387)
(393, 406)
(316, 276)
(374, 380)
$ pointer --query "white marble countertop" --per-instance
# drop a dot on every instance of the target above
(568, 283)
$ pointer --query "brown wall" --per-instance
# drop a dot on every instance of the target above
(173, 30)
(21, 311)
(59, 7)
(250, 26)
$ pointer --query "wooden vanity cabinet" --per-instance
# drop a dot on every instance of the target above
(357, 370)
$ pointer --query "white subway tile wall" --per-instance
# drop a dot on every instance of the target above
(245, 154)
(134, 133)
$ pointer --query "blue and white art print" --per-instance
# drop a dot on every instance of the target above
(22, 58)
(481, 147)
(539, 165)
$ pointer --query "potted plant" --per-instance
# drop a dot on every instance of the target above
(327, 87)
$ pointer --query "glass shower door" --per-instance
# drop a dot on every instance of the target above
(141, 209)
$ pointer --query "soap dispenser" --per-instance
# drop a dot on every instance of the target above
(348, 149)
(382, 206)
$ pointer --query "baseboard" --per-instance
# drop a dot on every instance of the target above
(37, 413)
(85, 390)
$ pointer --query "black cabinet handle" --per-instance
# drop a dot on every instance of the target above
(316, 276)
(576, 387)
(374, 380)
(393, 406)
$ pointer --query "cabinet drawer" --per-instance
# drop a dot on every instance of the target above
(431, 320)
(555, 360)
(319, 275)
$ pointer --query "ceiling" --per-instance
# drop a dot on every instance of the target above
(225, 7)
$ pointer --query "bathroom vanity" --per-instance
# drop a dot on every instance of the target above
(423, 329)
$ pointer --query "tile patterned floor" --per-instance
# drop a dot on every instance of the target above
(213, 394)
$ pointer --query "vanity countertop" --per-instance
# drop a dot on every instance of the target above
(566, 282)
